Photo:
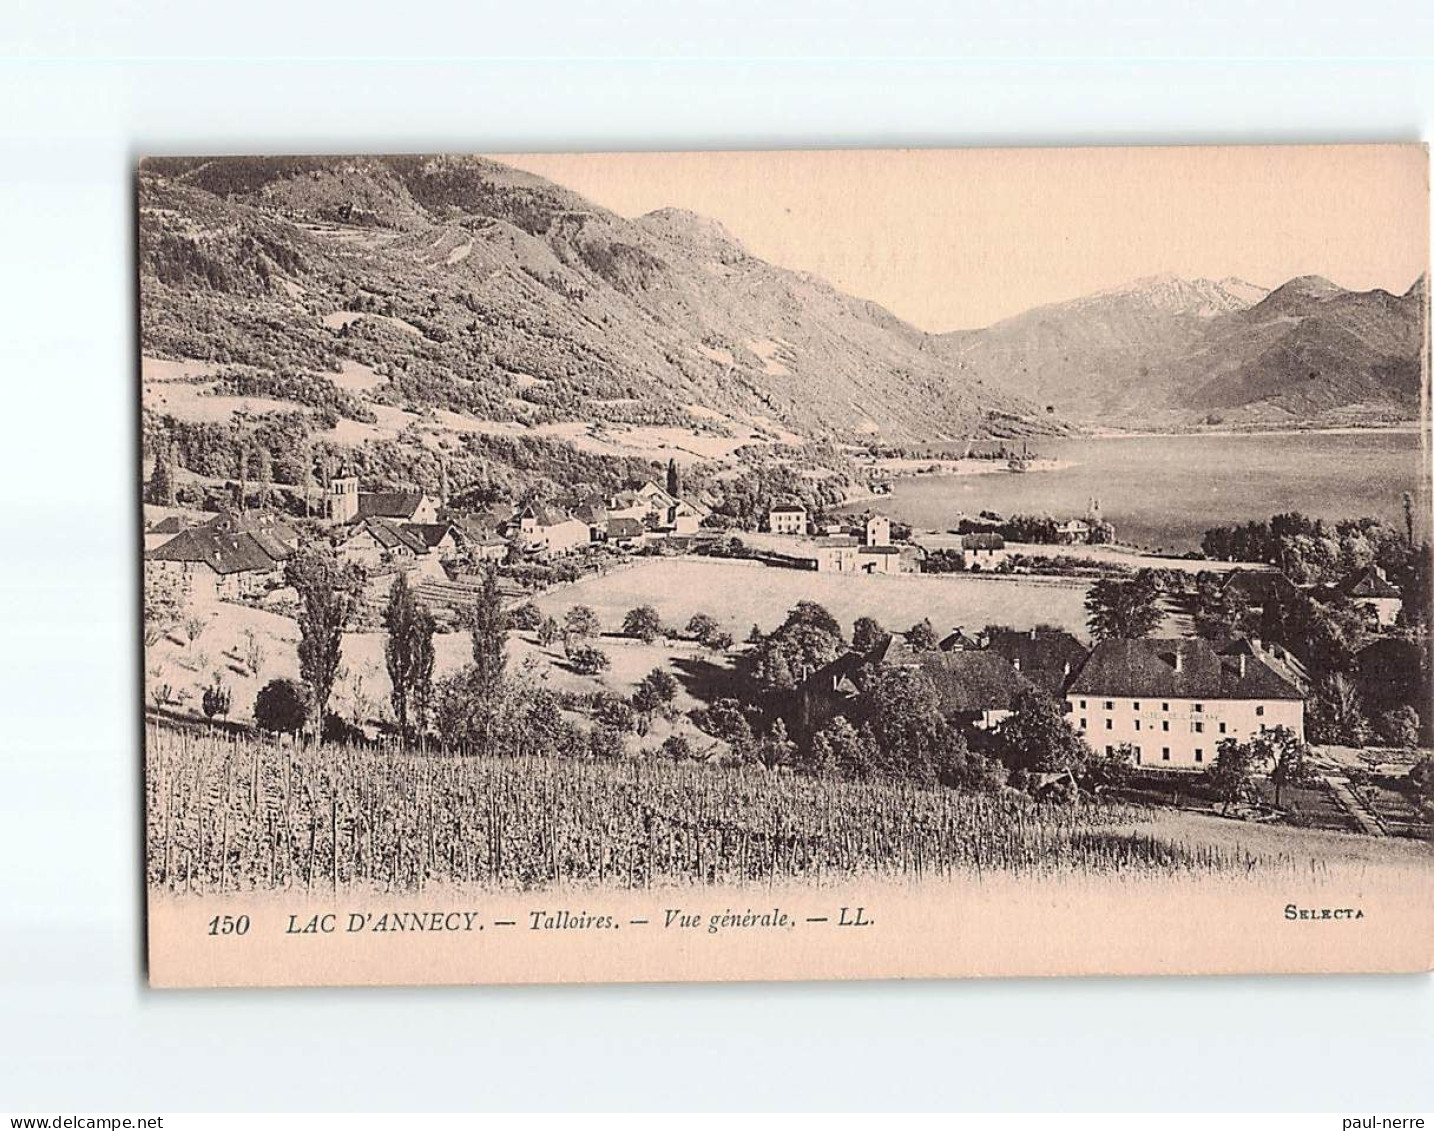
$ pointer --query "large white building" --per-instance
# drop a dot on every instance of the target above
(787, 518)
(1175, 700)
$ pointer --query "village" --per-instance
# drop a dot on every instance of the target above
(993, 624)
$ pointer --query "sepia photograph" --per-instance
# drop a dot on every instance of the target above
(785, 565)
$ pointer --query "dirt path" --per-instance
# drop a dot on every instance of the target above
(1353, 804)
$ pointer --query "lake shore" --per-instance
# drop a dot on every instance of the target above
(1403, 427)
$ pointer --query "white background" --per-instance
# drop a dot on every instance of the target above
(87, 87)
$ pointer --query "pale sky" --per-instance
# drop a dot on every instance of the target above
(955, 239)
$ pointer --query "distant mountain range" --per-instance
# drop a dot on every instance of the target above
(476, 287)
(1172, 351)
(472, 286)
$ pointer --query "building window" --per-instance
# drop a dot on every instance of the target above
(1082, 724)
(1164, 724)
(1165, 706)
(1107, 724)
(1110, 750)
(1109, 705)
(1137, 753)
(1137, 724)
(1135, 705)
(1260, 710)
(1165, 753)
(1199, 728)
(1199, 754)
(1222, 728)
(1082, 704)
(1198, 708)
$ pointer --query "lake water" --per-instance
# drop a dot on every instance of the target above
(1164, 492)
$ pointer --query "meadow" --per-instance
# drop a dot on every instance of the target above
(741, 594)
(234, 813)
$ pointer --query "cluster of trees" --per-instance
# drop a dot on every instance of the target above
(1329, 636)
(895, 730)
(1041, 529)
(1276, 752)
(743, 500)
(1310, 551)
(810, 638)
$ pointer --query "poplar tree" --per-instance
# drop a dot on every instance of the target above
(409, 654)
(328, 595)
(488, 625)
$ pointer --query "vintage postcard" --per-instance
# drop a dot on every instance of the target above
(786, 565)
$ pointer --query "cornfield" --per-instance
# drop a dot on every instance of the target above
(242, 814)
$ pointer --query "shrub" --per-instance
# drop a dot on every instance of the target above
(676, 747)
(614, 713)
(702, 627)
(281, 707)
(339, 729)
(656, 689)
(581, 621)
(604, 742)
(643, 622)
(217, 699)
(527, 617)
(587, 660)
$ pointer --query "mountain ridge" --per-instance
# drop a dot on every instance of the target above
(557, 307)
(1173, 352)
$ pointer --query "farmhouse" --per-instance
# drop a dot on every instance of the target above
(1259, 587)
(977, 686)
(626, 533)
(1373, 592)
(440, 538)
(592, 512)
(478, 539)
(838, 553)
(219, 564)
(982, 551)
(658, 511)
(376, 542)
(787, 518)
(884, 559)
(1173, 700)
(538, 529)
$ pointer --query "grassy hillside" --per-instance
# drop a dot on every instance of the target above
(467, 286)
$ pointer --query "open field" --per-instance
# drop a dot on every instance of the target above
(363, 688)
(247, 814)
(741, 594)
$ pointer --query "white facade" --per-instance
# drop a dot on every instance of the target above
(1177, 734)
(837, 559)
(787, 520)
(986, 557)
(564, 536)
